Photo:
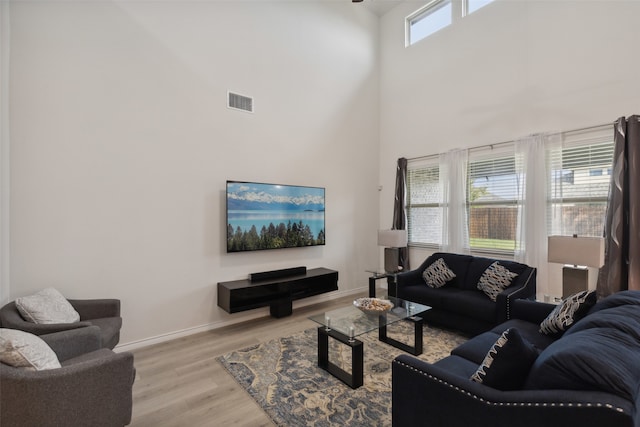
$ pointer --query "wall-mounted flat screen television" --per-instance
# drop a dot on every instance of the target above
(273, 216)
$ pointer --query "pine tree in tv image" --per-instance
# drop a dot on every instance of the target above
(271, 216)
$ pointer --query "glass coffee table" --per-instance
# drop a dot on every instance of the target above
(347, 323)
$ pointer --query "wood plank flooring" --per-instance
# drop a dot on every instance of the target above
(179, 382)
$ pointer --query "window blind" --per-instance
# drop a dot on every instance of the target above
(424, 195)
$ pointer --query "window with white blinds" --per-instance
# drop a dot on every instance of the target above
(424, 196)
(580, 184)
(492, 200)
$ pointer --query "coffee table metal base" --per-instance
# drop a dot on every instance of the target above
(353, 379)
(417, 347)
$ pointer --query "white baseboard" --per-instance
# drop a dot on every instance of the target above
(232, 320)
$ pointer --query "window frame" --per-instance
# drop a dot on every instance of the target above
(425, 163)
(459, 10)
(422, 13)
(598, 139)
(505, 156)
(466, 9)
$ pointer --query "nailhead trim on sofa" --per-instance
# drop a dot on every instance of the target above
(551, 404)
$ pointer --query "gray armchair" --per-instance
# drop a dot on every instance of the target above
(92, 388)
(103, 313)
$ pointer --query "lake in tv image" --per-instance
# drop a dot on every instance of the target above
(272, 216)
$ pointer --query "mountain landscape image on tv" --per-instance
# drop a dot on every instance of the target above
(272, 216)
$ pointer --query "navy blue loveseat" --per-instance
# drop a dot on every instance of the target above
(587, 376)
(459, 304)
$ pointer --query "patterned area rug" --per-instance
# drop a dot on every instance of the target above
(283, 377)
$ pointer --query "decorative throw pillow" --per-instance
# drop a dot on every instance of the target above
(572, 309)
(24, 350)
(495, 279)
(47, 306)
(507, 364)
(438, 274)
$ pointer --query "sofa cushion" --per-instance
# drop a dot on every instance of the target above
(46, 307)
(597, 353)
(457, 365)
(24, 350)
(529, 331)
(495, 279)
(572, 309)
(478, 266)
(438, 274)
(476, 348)
(624, 318)
(507, 363)
(599, 359)
(616, 300)
(468, 303)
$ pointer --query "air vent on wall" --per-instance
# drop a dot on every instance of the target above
(239, 102)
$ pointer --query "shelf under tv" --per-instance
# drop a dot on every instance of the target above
(278, 293)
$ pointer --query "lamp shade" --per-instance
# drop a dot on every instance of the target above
(392, 238)
(587, 251)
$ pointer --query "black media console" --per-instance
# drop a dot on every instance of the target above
(276, 289)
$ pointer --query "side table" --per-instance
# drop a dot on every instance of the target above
(375, 275)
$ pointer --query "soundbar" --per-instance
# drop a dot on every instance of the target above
(276, 274)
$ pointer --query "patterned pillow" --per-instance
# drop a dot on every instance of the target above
(495, 279)
(24, 350)
(47, 306)
(507, 364)
(572, 309)
(438, 274)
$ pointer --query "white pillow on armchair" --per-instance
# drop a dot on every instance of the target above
(46, 307)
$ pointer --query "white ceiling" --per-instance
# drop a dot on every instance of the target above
(380, 7)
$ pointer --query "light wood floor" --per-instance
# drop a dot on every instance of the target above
(180, 383)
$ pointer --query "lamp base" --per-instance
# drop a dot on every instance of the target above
(391, 260)
(574, 280)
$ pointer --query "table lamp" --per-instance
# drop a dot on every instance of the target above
(577, 253)
(392, 240)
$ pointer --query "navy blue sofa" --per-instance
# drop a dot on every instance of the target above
(459, 304)
(590, 375)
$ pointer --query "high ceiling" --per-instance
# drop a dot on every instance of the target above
(380, 7)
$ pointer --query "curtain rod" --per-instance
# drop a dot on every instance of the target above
(497, 144)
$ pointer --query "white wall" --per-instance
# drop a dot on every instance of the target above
(121, 144)
(5, 163)
(508, 70)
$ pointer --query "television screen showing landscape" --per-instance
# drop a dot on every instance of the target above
(271, 216)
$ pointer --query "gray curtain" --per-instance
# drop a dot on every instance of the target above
(399, 214)
(621, 268)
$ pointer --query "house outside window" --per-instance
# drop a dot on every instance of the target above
(424, 196)
(579, 206)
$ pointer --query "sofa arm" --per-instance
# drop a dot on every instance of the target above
(10, 318)
(525, 288)
(423, 394)
(96, 308)
(413, 277)
(74, 342)
(408, 278)
(531, 311)
(96, 392)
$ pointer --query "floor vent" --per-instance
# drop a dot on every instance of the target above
(240, 102)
